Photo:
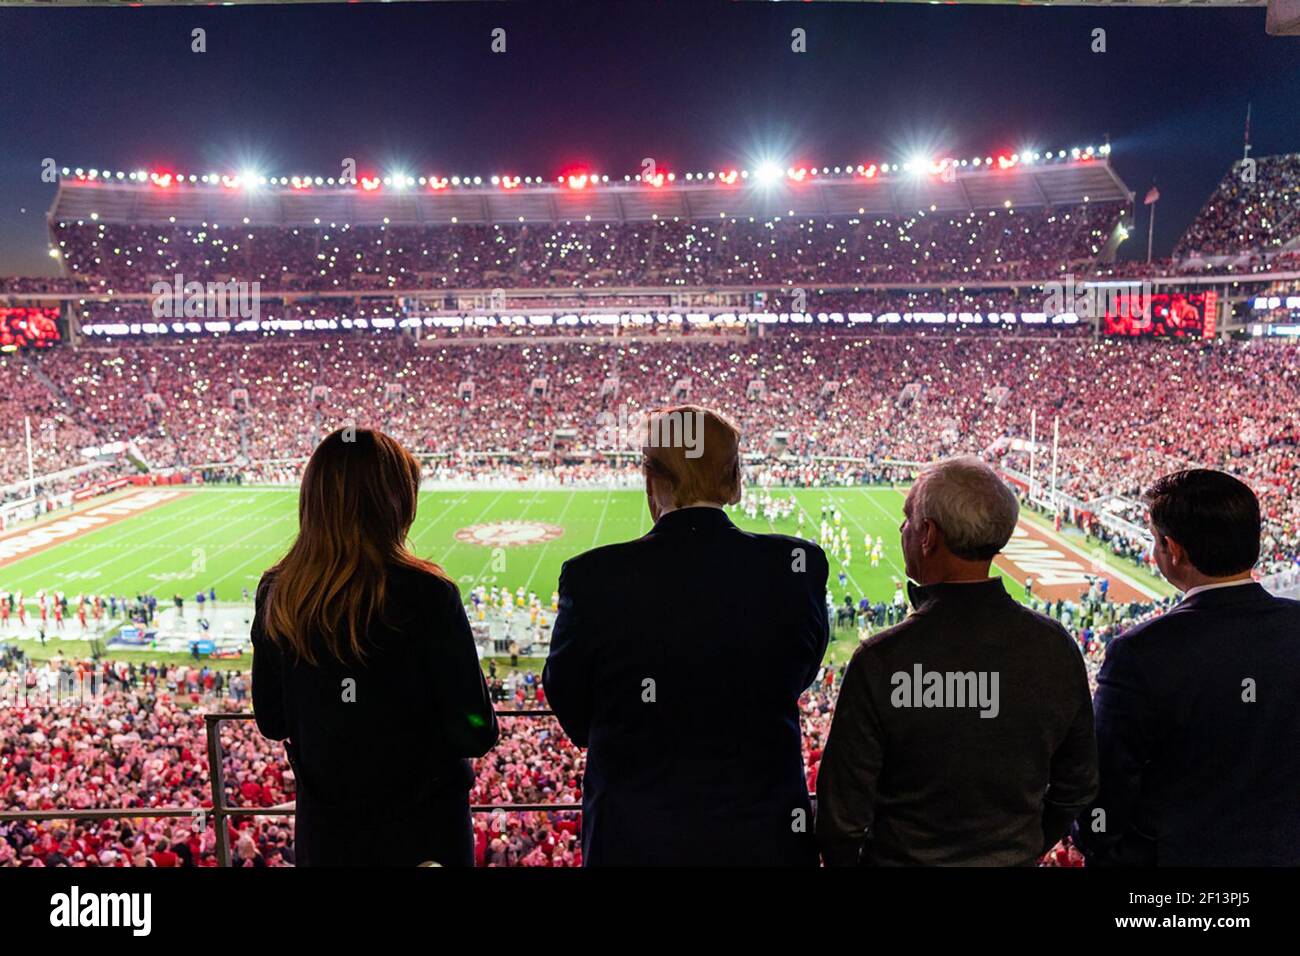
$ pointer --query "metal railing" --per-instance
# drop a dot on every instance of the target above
(220, 811)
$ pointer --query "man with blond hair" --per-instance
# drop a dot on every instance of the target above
(963, 734)
(683, 769)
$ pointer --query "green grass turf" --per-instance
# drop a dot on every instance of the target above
(224, 538)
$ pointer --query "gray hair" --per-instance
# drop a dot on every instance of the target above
(973, 507)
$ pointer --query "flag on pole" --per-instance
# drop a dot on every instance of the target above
(1152, 195)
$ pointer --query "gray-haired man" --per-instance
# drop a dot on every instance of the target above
(963, 735)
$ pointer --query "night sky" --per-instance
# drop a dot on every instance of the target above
(414, 86)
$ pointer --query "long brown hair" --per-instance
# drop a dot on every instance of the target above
(355, 508)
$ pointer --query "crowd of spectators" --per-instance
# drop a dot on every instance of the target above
(1127, 410)
(78, 735)
(81, 734)
(997, 243)
(1246, 220)
(1253, 210)
(1243, 227)
(26, 403)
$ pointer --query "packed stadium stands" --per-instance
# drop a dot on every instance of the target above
(1248, 220)
(1253, 211)
(996, 243)
(1128, 410)
(57, 435)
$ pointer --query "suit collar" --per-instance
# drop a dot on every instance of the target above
(1225, 597)
(693, 519)
(1214, 587)
(990, 591)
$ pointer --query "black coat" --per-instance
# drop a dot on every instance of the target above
(382, 779)
(678, 659)
(1193, 772)
(942, 784)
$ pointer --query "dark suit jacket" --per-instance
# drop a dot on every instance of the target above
(1192, 772)
(943, 785)
(382, 779)
(678, 659)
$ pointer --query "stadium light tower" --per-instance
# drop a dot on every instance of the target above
(918, 165)
(767, 173)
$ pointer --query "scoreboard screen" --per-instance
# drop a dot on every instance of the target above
(1162, 315)
(28, 328)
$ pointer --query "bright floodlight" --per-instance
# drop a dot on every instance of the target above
(767, 173)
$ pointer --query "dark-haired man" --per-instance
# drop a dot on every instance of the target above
(1198, 724)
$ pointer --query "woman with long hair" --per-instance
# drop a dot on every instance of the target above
(364, 664)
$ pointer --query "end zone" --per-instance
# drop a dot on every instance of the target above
(33, 539)
(1060, 570)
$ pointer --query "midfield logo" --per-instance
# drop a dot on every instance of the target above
(505, 534)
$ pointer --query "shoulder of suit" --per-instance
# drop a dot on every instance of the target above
(786, 543)
(1181, 618)
(1285, 603)
(1173, 625)
(599, 558)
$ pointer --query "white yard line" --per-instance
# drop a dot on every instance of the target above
(603, 511)
(545, 547)
(832, 575)
(477, 578)
(124, 538)
(443, 560)
(184, 527)
(892, 517)
(258, 528)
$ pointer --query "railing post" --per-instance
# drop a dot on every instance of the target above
(218, 780)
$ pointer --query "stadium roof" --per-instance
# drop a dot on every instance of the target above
(115, 198)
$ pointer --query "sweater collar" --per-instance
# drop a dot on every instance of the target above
(988, 591)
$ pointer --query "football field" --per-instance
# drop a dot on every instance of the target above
(224, 539)
(186, 539)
